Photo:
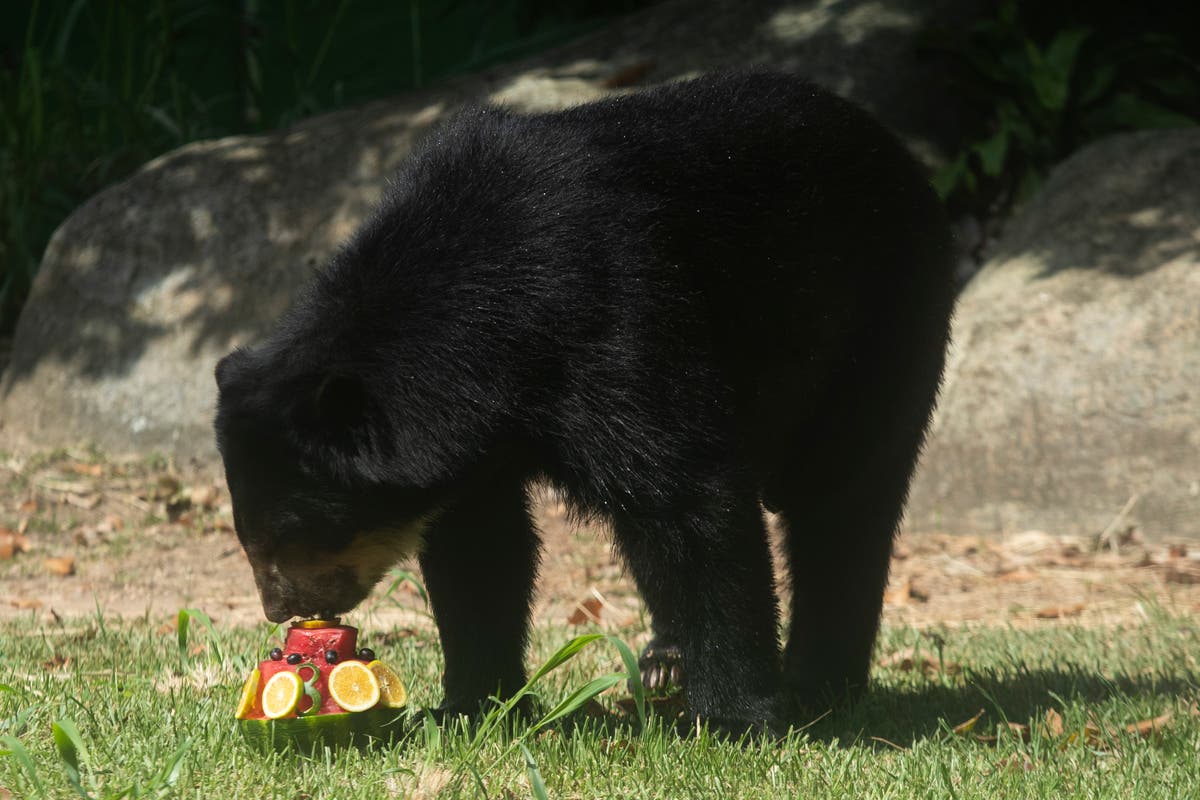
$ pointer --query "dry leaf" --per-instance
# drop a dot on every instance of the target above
(29, 506)
(1058, 612)
(58, 662)
(1177, 550)
(585, 612)
(1182, 571)
(167, 627)
(907, 660)
(80, 468)
(917, 591)
(1016, 576)
(1146, 727)
(25, 603)
(61, 565)
(969, 725)
(897, 595)
(204, 496)
(1016, 763)
(12, 543)
(1054, 723)
(84, 501)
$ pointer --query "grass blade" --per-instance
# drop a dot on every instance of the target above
(578, 697)
(18, 751)
(186, 614)
(635, 678)
(536, 784)
(71, 750)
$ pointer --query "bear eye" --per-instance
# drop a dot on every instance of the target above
(331, 656)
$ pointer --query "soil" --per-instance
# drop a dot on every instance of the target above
(137, 537)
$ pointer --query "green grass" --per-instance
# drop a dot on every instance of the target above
(136, 711)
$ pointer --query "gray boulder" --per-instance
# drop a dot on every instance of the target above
(147, 284)
(1073, 389)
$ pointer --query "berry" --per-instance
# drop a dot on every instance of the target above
(366, 654)
(331, 656)
(294, 658)
(276, 654)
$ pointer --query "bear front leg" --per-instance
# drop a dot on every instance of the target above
(479, 562)
(706, 577)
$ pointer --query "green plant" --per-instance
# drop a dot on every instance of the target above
(1041, 96)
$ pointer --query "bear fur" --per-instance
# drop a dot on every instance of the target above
(678, 307)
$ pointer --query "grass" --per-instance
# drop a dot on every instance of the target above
(106, 708)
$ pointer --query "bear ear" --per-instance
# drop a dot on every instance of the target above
(227, 366)
(340, 399)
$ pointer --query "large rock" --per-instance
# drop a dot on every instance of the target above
(146, 285)
(1074, 382)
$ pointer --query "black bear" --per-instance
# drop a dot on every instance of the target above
(678, 307)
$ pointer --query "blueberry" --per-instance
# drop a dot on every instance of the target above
(331, 656)
(276, 654)
(293, 658)
(366, 654)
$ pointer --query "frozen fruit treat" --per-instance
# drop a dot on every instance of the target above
(320, 689)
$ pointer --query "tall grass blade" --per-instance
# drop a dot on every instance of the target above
(635, 678)
(18, 751)
(185, 617)
(536, 784)
(71, 750)
(579, 697)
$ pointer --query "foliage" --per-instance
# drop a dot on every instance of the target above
(1044, 83)
(89, 91)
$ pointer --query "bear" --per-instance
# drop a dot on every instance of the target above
(679, 307)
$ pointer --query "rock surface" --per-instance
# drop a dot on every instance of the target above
(1073, 389)
(147, 284)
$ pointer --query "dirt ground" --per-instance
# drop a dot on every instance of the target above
(134, 536)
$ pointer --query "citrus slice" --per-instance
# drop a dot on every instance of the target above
(353, 686)
(309, 624)
(249, 695)
(392, 693)
(281, 694)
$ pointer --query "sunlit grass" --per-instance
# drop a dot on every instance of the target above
(152, 714)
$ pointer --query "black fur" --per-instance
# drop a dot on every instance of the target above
(672, 306)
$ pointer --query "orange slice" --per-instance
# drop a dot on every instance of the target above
(392, 693)
(281, 695)
(354, 686)
(249, 696)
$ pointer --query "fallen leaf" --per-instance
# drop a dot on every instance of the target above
(204, 496)
(84, 501)
(169, 626)
(897, 595)
(1054, 723)
(1147, 727)
(1016, 576)
(1182, 571)
(969, 725)
(12, 543)
(60, 565)
(25, 603)
(1177, 550)
(585, 612)
(918, 591)
(197, 649)
(1058, 612)
(110, 524)
(58, 662)
(1015, 763)
(29, 506)
(907, 660)
(80, 468)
